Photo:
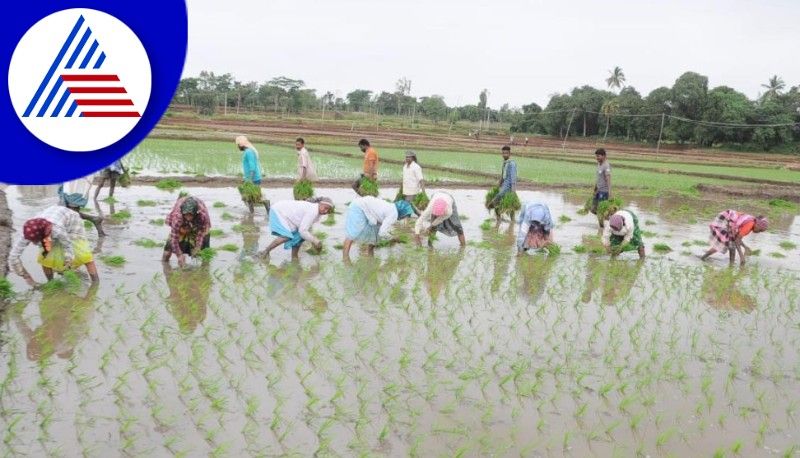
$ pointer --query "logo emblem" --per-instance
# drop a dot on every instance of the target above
(79, 80)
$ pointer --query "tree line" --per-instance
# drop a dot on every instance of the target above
(687, 112)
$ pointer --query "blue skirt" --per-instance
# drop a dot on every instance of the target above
(358, 228)
(277, 229)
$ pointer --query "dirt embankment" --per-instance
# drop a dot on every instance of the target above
(5, 233)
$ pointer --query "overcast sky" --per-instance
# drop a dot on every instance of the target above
(522, 51)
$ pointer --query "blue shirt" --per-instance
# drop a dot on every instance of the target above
(509, 175)
(250, 166)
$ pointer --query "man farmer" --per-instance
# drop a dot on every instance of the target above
(508, 180)
(305, 168)
(602, 187)
(370, 164)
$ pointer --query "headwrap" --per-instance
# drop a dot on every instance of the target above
(242, 141)
(189, 206)
(322, 200)
(410, 153)
(36, 229)
(537, 213)
(404, 209)
(616, 221)
(762, 223)
(438, 207)
(75, 200)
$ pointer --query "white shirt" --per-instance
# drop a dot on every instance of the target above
(626, 232)
(424, 221)
(298, 215)
(412, 177)
(304, 160)
(377, 211)
(67, 228)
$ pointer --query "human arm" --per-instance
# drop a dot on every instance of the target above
(512, 175)
(304, 228)
(15, 261)
(524, 227)
(204, 224)
(388, 220)
(250, 159)
(420, 178)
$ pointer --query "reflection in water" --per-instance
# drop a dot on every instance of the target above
(189, 290)
(722, 291)
(501, 242)
(293, 284)
(442, 267)
(66, 317)
(250, 237)
(534, 270)
(616, 278)
(33, 195)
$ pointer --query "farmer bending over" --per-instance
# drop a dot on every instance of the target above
(369, 219)
(190, 225)
(441, 215)
(622, 233)
(59, 232)
(290, 221)
(729, 229)
(535, 227)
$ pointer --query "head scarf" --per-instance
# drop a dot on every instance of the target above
(75, 200)
(243, 142)
(404, 209)
(36, 229)
(616, 221)
(189, 206)
(322, 200)
(762, 223)
(438, 207)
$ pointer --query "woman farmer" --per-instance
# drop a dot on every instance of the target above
(535, 227)
(290, 222)
(412, 177)
(75, 195)
(251, 171)
(190, 225)
(441, 215)
(622, 233)
(727, 231)
(370, 218)
(59, 232)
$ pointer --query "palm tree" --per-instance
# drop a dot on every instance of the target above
(617, 78)
(774, 87)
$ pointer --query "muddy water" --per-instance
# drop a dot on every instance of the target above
(413, 352)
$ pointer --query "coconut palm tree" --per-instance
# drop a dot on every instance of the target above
(774, 87)
(617, 78)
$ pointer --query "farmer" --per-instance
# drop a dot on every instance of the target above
(190, 225)
(112, 172)
(251, 170)
(369, 219)
(305, 168)
(370, 169)
(290, 222)
(75, 195)
(508, 180)
(441, 215)
(535, 227)
(602, 187)
(412, 177)
(622, 233)
(727, 231)
(59, 231)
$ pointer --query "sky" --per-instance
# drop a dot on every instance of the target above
(521, 51)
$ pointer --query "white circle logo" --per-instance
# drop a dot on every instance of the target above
(79, 79)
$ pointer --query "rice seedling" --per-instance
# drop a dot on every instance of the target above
(509, 203)
(207, 254)
(122, 215)
(661, 248)
(6, 290)
(114, 260)
(368, 187)
(88, 224)
(564, 219)
(782, 204)
(787, 245)
(110, 200)
(227, 216)
(219, 204)
(146, 203)
(157, 222)
(168, 184)
(216, 232)
(302, 190)
(147, 243)
(232, 247)
(777, 255)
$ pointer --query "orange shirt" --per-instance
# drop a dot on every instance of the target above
(369, 156)
(747, 228)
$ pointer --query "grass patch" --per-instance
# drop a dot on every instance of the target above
(169, 184)
(783, 204)
(114, 260)
(146, 203)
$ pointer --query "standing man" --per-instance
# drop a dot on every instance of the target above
(413, 180)
(305, 168)
(112, 172)
(508, 180)
(370, 164)
(602, 187)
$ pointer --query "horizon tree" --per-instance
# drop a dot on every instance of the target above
(774, 86)
(616, 78)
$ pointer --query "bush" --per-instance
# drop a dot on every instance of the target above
(303, 190)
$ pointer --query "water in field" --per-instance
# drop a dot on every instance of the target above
(416, 352)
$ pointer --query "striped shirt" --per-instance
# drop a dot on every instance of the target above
(67, 227)
(200, 225)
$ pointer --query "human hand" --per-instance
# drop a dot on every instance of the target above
(182, 260)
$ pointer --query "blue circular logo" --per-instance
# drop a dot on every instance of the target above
(86, 83)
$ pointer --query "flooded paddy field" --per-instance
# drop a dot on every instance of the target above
(446, 352)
